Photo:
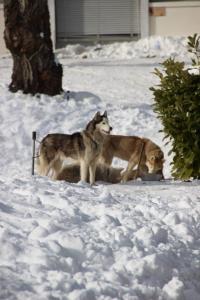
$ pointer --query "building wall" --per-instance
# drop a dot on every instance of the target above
(172, 18)
(2, 44)
(180, 18)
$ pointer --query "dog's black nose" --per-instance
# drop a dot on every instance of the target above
(111, 128)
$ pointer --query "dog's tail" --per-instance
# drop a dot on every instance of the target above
(42, 164)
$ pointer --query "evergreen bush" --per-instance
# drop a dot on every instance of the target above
(177, 103)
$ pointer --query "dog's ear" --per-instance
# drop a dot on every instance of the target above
(97, 115)
(105, 114)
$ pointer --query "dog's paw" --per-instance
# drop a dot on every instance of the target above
(93, 184)
(123, 180)
(124, 177)
(83, 183)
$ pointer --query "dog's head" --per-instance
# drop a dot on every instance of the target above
(100, 123)
(155, 161)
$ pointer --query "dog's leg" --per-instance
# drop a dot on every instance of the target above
(42, 165)
(56, 167)
(50, 170)
(92, 171)
(83, 170)
(131, 164)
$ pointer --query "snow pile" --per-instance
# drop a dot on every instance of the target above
(67, 241)
(134, 241)
(154, 46)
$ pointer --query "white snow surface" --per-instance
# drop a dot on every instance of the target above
(134, 241)
(154, 46)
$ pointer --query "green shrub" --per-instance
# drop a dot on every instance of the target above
(177, 103)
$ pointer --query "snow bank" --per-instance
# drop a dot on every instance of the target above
(154, 46)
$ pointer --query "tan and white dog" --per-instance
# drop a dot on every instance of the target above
(140, 152)
(84, 147)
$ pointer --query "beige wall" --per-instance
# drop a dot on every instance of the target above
(2, 44)
(181, 18)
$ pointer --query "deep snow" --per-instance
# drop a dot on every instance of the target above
(131, 241)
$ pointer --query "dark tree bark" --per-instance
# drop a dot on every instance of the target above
(28, 37)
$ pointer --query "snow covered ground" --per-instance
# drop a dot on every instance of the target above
(61, 241)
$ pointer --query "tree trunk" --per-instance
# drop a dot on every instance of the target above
(28, 37)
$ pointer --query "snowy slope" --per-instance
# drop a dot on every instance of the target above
(131, 241)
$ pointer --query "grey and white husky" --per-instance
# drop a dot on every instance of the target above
(84, 147)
